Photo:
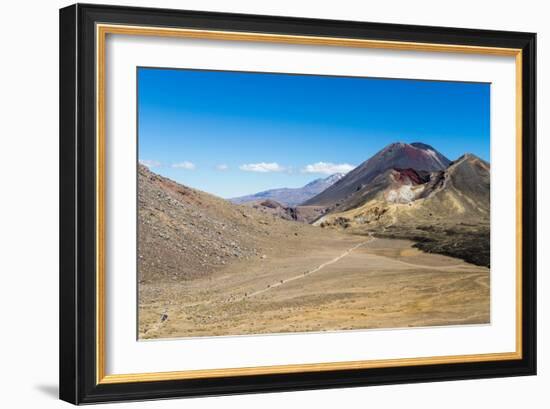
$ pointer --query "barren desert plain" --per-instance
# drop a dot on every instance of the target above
(400, 241)
(334, 282)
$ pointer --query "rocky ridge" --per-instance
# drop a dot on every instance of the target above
(185, 233)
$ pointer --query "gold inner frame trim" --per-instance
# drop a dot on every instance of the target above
(101, 33)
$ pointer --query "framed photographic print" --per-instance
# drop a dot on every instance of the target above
(257, 203)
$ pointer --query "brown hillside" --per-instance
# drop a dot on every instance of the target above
(184, 233)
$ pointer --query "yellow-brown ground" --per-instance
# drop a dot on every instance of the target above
(328, 281)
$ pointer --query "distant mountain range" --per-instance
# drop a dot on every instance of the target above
(292, 196)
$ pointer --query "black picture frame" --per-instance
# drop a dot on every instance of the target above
(78, 360)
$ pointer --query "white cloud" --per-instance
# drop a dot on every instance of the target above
(184, 165)
(222, 167)
(150, 163)
(328, 168)
(262, 167)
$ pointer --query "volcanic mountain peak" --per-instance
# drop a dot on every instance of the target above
(461, 192)
(422, 145)
(469, 163)
(471, 159)
(398, 155)
(422, 155)
(449, 213)
(471, 176)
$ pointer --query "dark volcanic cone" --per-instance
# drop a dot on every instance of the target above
(446, 212)
(416, 156)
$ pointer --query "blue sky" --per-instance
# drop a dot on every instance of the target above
(234, 133)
